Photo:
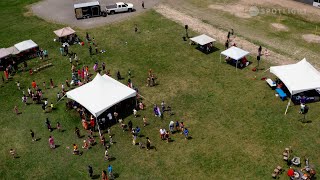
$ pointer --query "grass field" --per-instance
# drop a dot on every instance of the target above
(237, 124)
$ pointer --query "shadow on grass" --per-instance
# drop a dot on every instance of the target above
(112, 159)
(96, 176)
(116, 175)
(38, 139)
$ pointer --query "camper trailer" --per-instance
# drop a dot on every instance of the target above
(88, 10)
(316, 3)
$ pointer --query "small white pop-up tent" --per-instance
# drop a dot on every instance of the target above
(202, 39)
(234, 53)
(25, 45)
(298, 77)
(100, 94)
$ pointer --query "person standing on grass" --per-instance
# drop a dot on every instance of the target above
(92, 124)
(106, 155)
(103, 66)
(110, 139)
(130, 125)
(77, 132)
(186, 133)
(228, 36)
(85, 145)
(58, 126)
(15, 109)
(148, 143)
(34, 84)
(51, 142)
(181, 126)
(90, 50)
(142, 4)
(13, 153)
(110, 170)
(32, 135)
(51, 83)
(104, 175)
(58, 96)
(226, 44)
(177, 125)
(61, 51)
(18, 85)
(259, 51)
(67, 83)
(171, 126)
(90, 171)
(145, 123)
(135, 112)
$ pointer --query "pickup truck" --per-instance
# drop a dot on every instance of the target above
(119, 7)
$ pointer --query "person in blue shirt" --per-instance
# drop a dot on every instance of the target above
(138, 130)
(186, 133)
(110, 170)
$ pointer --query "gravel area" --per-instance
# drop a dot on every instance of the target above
(61, 11)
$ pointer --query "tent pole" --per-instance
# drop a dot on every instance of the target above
(285, 113)
(266, 70)
(236, 65)
(61, 98)
(98, 126)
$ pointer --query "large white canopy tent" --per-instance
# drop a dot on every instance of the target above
(100, 94)
(298, 77)
(25, 45)
(202, 39)
(4, 53)
(234, 53)
(66, 31)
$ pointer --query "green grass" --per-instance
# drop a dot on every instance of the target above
(237, 124)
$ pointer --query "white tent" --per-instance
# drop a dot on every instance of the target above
(100, 94)
(25, 45)
(298, 77)
(202, 39)
(234, 53)
(4, 53)
(66, 31)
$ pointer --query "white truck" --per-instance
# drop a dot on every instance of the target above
(119, 7)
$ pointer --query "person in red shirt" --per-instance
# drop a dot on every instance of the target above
(34, 84)
(290, 172)
(92, 124)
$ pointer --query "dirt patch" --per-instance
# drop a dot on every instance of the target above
(220, 35)
(61, 11)
(279, 27)
(238, 10)
(28, 12)
(311, 38)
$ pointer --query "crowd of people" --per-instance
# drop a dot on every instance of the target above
(90, 124)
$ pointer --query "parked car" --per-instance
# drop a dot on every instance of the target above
(119, 7)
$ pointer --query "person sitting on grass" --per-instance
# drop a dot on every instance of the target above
(85, 145)
(75, 150)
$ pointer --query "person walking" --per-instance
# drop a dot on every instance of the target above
(48, 124)
(90, 171)
(186, 133)
(32, 135)
(77, 132)
(15, 109)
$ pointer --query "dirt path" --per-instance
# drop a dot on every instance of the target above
(220, 35)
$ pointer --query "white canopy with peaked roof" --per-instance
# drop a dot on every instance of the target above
(100, 94)
(25, 45)
(234, 53)
(66, 31)
(202, 39)
(298, 77)
(4, 53)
